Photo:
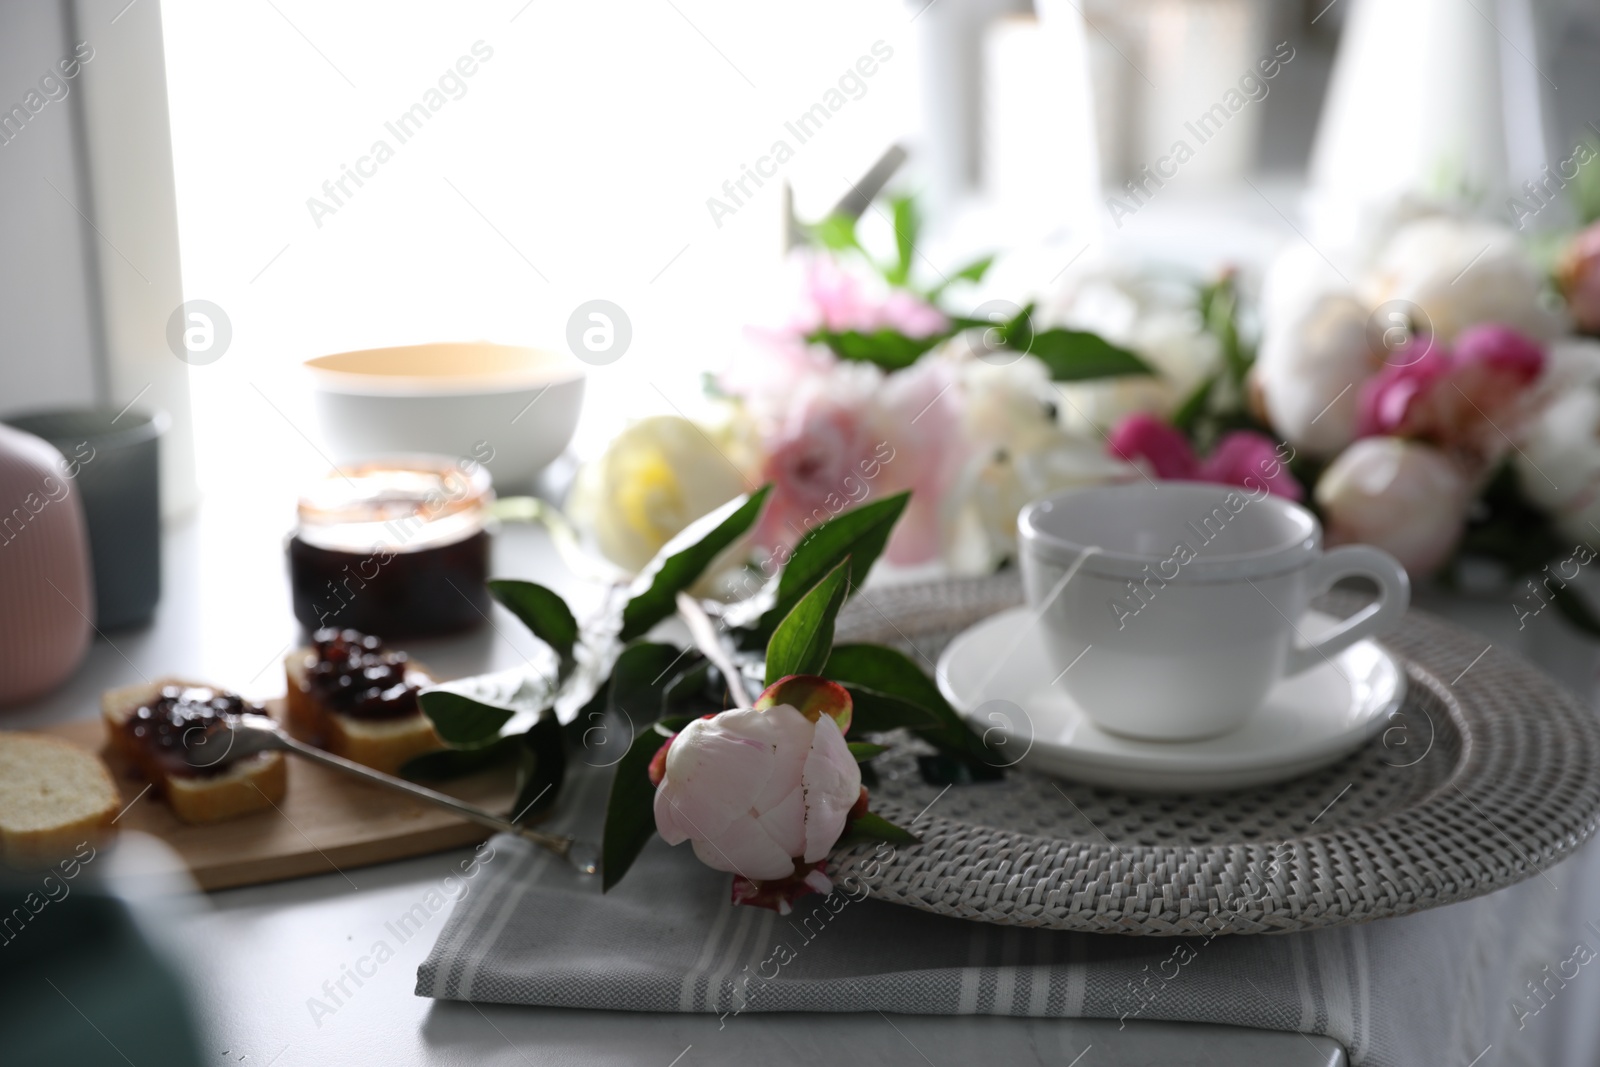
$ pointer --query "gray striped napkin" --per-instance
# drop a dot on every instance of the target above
(1433, 987)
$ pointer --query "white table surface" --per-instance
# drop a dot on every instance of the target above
(257, 955)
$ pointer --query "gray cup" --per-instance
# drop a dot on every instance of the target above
(113, 463)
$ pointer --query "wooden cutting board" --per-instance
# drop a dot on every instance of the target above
(326, 823)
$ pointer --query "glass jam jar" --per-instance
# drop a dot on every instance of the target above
(394, 547)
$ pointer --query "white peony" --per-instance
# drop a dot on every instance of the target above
(1460, 273)
(1558, 463)
(1153, 317)
(654, 479)
(1310, 369)
(1325, 331)
(1407, 498)
(1016, 453)
(758, 792)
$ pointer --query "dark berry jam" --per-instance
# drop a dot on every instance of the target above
(183, 723)
(420, 593)
(356, 676)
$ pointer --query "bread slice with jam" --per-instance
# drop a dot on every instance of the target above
(350, 695)
(170, 730)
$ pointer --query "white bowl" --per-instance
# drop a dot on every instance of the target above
(512, 409)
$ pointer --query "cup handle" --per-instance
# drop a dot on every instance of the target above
(1394, 593)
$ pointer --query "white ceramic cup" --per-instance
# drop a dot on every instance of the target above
(1170, 610)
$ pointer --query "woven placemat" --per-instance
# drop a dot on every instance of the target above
(1489, 774)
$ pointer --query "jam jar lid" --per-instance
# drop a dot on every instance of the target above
(404, 502)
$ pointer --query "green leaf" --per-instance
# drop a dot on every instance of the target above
(837, 233)
(639, 680)
(876, 713)
(1077, 355)
(1193, 406)
(858, 535)
(870, 827)
(972, 272)
(453, 762)
(1219, 305)
(801, 643)
(1586, 189)
(542, 612)
(630, 811)
(1575, 609)
(680, 564)
(460, 720)
(889, 349)
(890, 672)
(907, 226)
(689, 685)
(542, 767)
(865, 750)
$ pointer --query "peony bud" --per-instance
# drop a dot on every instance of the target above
(1578, 275)
(762, 793)
(1407, 498)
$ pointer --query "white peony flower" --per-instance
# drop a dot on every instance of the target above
(1558, 463)
(1407, 498)
(1016, 453)
(758, 792)
(1310, 369)
(1152, 317)
(654, 479)
(1460, 273)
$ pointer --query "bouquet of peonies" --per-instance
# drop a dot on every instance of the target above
(873, 387)
(1439, 400)
(1439, 397)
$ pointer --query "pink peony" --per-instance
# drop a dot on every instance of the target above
(1162, 446)
(1250, 459)
(764, 792)
(1242, 457)
(1491, 358)
(837, 300)
(1464, 400)
(1578, 274)
(1386, 402)
(854, 434)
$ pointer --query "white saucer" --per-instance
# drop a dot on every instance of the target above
(997, 675)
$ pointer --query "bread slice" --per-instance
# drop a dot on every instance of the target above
(255, 783)
(53, 796)
(382, 744)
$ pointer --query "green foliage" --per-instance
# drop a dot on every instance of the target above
(684, 559)
(1077, 355)
(907, 228)
(836, 233)
(630, 811)
(858, 535)
(544, 613)
(972, 272)
(461, 720)
(871, 827)
(888, 349)
(802, 641)
(541, 769)
(878, 669)
(640, 679)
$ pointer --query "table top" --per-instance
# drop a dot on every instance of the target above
(257, 955)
